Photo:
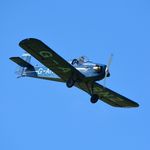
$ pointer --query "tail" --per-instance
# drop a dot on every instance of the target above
(24, 64)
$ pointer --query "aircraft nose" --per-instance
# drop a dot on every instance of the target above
(97, 68)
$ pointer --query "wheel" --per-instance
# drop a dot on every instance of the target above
(70, 83)
(94, 98)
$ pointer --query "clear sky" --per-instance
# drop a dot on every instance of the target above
(38, 114)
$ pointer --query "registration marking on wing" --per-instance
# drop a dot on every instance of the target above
(45, 54)
(64, 69)
(107, 94)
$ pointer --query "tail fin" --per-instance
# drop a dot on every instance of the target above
(24, 63)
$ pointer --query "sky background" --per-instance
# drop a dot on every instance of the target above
(38, 114)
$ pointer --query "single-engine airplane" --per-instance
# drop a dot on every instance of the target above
(79, 72)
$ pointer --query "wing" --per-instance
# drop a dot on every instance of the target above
(50, 59)
(106, 95)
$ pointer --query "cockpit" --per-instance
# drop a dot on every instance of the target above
(80, 60)
(85, 62)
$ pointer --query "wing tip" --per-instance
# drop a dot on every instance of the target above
(136, 105)
(133, 105)
(27, 40)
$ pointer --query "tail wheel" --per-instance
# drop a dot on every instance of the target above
(70, 83)
(94, 98)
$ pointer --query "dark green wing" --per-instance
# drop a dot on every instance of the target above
(106, 95)
(50, 59)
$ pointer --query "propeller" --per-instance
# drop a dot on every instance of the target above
(107, 69)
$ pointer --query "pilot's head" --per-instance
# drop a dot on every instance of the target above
(81, 59)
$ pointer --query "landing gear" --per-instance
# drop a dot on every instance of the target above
(90, 88)
(94, 98)
(70, 83)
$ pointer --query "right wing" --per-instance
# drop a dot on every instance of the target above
(50, 59)
(106, 95)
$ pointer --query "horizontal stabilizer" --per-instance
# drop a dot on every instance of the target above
(21, 62)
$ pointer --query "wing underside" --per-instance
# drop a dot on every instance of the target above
(50, 59)
(106, 95)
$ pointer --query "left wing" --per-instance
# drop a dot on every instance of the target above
(106, 95)
(50, 59)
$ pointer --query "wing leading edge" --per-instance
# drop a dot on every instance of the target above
(50, 59)
(106, 95)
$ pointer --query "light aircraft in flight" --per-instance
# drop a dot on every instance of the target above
(79, 72)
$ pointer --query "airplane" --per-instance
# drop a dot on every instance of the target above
(80, 72)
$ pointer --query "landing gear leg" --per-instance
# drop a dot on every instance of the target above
(94, 97)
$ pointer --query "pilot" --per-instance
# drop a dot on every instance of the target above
(74, 61)
(78, 61)
(81, 60)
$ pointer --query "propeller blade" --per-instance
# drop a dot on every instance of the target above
(107, 68)
(110, 61)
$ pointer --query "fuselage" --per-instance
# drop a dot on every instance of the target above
(89, 69)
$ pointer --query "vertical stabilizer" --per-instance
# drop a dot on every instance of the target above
(21, 70)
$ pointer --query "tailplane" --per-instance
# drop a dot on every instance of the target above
(24, 64)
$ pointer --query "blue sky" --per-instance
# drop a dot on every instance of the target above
(38, 114)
